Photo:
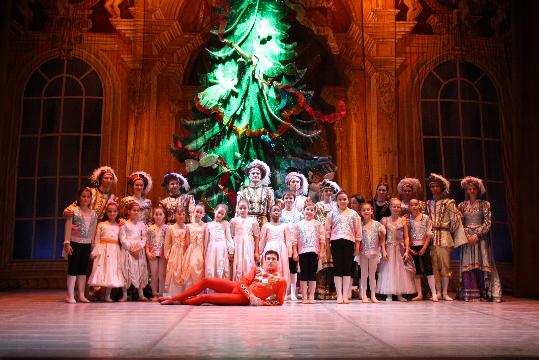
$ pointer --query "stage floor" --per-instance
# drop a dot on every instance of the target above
(39, 324)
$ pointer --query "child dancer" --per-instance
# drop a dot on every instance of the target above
(420, 228)
(154, 251)
(193, 262)
(373, 235)
(175, 248)
(133, 237)
(309, 235)
(397, 269)
(276, 236)
(343, 236)
(79, 232)
(174, 183)
(107, 270)
(246, 233)
(218, 245)
(291, 216)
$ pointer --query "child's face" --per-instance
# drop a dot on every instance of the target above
(199, 212)
(288, 200)
(243, 209)
(366, 212)
(158, 216)
(138, 187)
(220, 214)
(414, 206)
(395, 207)
(354, 204)
(275, 213)
(342, 201)
(309, 212)
(294, 184)
(85, 198)
(180, 217)
(132, 213)
(174, 186)
(112, 212)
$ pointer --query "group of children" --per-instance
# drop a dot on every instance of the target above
(171, 247)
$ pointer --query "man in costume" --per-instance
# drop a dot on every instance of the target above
(262, 286)
(259, 194)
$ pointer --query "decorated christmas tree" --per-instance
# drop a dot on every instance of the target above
(252, 107)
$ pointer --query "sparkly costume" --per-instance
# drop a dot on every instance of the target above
(99, 202)
(243, 231)
(325, 288)
(108, 266)
(173, 202)
(83, 228)
(419, 230)
(277, 238)
(260, 199)
(268, 286)
(174, 249)
(155, 246)
(133, 235)
(193, 262)
(218, 245)
(447, 233)
(370, 244)
(479, 277)
(309, 236)
(395, 277)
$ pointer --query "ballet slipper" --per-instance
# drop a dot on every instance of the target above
(447, 297)
(70, 301)
(345, 300)
(339, 301)
(304, 301)
(365, 300)
(170, 302)
(312, 301)
(82, 299)
(375, 300)
(400, 298)
(417, 298)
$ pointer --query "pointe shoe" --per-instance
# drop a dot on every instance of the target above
(417, 298)
(82, 299)
(70, 301)
(447, 298)
(375, 300)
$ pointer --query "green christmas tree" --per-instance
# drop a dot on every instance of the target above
(251, 107)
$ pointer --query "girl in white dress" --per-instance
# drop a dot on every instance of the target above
(107, 270)
(276, 236)
(175, 248)
(246, 233)
(219, 245)
(155, 251)
(133, 237)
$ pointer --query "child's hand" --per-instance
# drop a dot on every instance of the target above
(422, 251)
(295, 257)
(254, 300)
(413, 252)
(406, 256)
(121, 222)
(386, 257)
(68, 249)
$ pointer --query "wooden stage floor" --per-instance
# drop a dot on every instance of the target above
(39, 324)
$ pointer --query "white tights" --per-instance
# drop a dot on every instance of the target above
(158, 268)
(368, 268)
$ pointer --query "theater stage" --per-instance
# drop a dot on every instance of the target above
(38, 324)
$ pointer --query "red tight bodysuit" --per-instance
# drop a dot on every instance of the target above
(226, 293)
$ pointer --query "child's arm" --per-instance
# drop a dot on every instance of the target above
(256, 238)
(383, 242)
(168, 243)
(229, 241)
(123, 239)
(406, 240)
(150, 235)
(321, 240)
(263, 234)
(67, 236)
(329, 223)
(358, 233)
(428, 236)
(294, 241)
(95, 242)
(191, 208)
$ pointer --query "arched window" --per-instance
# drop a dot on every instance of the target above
(460, 117)
(59, 147)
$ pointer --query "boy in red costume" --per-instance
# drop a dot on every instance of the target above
(259, 287)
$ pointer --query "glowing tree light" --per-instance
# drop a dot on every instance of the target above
(250, 107)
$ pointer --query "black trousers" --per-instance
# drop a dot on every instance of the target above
(308, 262)
(293, 265)
(423, 260)
(78, 261)
(342, 251)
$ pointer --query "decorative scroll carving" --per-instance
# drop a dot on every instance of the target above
(385, 83)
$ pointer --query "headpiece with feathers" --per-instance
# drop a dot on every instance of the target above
(264, 169)
(412, 182)
(178, 177)
(145, 177)
(440, 180)
(330, 184)
(97, 175)
(304, 187)
(468, 180)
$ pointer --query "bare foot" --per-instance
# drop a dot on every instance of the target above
(374, 299)
(400, 298)
(417, 298)
(312, 301)
(170, 302)
(304, 301)
(71, 301)
(82, 299)
(434, 298)
(447, 298)
(339, 301)
(346, 300)
(365, 300)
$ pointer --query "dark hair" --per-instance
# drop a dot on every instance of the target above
(269, 252)
(106, 217)
(162, 207)
(81, 190)
(360, 199)
(342, 192)
(289, 192)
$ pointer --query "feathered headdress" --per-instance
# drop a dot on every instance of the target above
(439, 179)
(264, 170)
(468, 180)
(178, 177)
(97, 175)
(304, 184)
(330, 184)
(141, 175)
(412, 182)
